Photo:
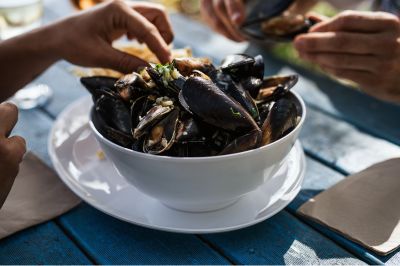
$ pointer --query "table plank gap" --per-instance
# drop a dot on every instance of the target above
(74, 240)
(218, 250)
(42, 244)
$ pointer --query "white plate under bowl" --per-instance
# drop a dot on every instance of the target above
(73, 150)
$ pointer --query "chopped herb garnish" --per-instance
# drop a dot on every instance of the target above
(236, 114)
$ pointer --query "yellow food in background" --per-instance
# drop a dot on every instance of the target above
(143, 52)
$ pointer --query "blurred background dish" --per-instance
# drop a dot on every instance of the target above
(17, 17)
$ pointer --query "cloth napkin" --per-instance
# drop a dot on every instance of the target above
(364, 207)
(37, 195)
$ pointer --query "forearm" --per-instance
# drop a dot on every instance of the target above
(25, 57)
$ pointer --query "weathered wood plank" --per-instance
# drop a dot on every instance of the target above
(111, 241)
(280, 240)
(343, 145)
(42, 244)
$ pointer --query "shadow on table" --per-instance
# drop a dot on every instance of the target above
(282, 239)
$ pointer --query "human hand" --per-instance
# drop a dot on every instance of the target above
(12, 149)
(224, 16)
(363, 47)
(85, 39)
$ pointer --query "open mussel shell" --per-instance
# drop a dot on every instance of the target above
(278, 29)
(261, 10)
(131, 86)
(186, 66)
(155, 114)
(281, 119)
(215, 107)
(162, 134)
(275, 87)
(140, 107)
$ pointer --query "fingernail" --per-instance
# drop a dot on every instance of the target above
(236, 18)
(299, 44)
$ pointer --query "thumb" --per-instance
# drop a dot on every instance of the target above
(121, 61)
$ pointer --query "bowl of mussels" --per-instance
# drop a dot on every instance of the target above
(193, 135)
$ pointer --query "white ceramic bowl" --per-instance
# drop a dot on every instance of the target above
(201, 183)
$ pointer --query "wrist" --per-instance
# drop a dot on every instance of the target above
(46, 43)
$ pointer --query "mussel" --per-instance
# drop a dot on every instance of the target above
(276, 20)
(281, 120)
(213, 106)
(162, 135)
(192, 108)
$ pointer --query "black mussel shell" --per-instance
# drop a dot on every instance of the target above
(241, 66)
(258, 32)
(275, 87)
(237, 92)
(243, 143)
(114, 112)
(110, 133)
(252, 85)
(155, 114)
(280, 121)
(92, 84)
(213, 106)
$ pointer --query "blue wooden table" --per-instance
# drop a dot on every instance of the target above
(345, 132)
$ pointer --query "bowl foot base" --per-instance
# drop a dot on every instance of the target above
(188, 207)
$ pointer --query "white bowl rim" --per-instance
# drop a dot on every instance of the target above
(205, 158)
